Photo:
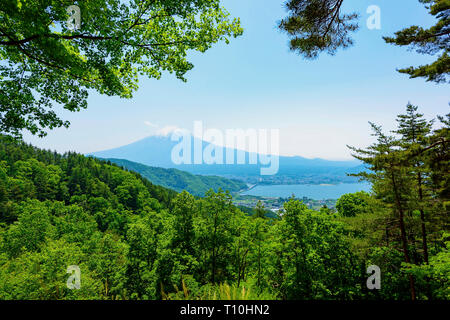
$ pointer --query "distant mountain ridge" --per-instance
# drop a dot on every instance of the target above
(181, 180)
(156, 151)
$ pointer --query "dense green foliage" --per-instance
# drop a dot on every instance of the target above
(179, 180)
(45, 64)
(352, 204)
(134, 240)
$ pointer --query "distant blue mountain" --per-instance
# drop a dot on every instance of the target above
(156, 151)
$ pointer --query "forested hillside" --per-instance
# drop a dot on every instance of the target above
(134, 240)
(178, 180)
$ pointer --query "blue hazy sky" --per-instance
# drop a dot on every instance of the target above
(319, 106)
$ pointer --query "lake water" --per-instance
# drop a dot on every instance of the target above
(313, 191)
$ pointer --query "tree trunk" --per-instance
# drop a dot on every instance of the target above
(422, 219)
(403, 234)
(259, 265)
(424, 232)
(213, 271)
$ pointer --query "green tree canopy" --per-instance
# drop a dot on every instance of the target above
(351, 204)
(44, 63)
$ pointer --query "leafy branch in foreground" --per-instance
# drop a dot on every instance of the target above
(43, 63)
(318, 25)
(433, 40)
